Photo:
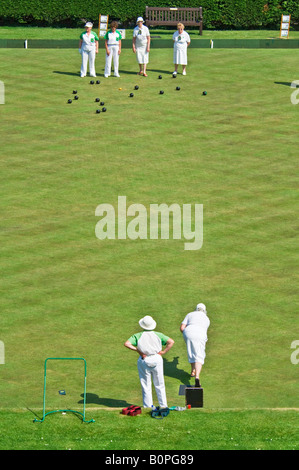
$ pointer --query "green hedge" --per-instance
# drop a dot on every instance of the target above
(218, 14)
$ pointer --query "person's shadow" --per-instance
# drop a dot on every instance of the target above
(67, 73)
(283, 83)
(171, 369)
(93, 398)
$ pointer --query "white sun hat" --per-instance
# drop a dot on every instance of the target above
(147, 323)
(88, 25)
(201, 307)
(139, 19)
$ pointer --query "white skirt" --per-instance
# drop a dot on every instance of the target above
(180, 55)
(142, 56)
(196, 344)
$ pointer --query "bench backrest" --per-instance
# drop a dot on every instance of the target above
(172, 16)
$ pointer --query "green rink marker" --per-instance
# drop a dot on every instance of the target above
(45, 386)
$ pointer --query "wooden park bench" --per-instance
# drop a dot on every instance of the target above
(155, 16)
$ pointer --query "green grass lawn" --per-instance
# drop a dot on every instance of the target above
(64, 293)
(35, 32)
(188, 431)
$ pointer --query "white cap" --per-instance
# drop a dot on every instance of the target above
(88, 25)
(140, 19)
(201, 307)
(147, 323)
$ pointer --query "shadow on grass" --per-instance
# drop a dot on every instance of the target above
(283, 83)
(73, 74)
(93, 398)
(160, 71)
(171, 369)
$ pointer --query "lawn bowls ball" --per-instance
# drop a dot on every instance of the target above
(136, 87)
(98, 82)
(161, 92)
(76, 97)
(98, 111)
(104, 110)
(97, 100)
(69, 101)
(204, 92)
(75, 92)
(178, 88)
(131, 95)
(102, 103)
(91, 82)
(160, 77)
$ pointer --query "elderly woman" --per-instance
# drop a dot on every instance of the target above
(141, 45)
(194, 328)
(88, 47)
(113, 49)
(181, 40)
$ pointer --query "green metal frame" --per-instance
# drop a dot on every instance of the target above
(45, 385)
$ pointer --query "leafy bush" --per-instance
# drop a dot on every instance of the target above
(220, 14)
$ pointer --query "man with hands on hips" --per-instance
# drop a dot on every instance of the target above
(148, 343)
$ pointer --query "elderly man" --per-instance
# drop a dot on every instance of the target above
(194, 328)
(148, 343)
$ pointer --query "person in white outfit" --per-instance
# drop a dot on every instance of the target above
(148, 343)
(141, 45)
(194, 328)
(113, 49)
(181, 40)
(88, 48)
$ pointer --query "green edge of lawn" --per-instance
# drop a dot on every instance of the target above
(195, 429)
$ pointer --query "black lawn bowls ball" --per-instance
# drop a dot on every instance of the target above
(104, 110)
(98, 82)
(174, 75)
(91, 82)
(69, 101)
(160, 77)
(75, 92)
(136, 87)
(131, 95)
(204, 92)
(98, 111)
(178, 88)
(102, 103)
(97, 100)
(76, 97)
(161, 92)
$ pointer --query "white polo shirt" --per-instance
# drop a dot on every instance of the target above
(181, 40)
(113, 38)
(141, 35)
(89, 40)
(149, 342)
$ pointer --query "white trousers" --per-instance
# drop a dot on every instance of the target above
(152, 368)
(88, 56)
(112, 56)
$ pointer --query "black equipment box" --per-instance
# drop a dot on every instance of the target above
(194, 397)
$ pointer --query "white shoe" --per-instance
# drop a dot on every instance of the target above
(117, 75)
(184, 72)
(106, 76)
(174, 73)
(93, 76)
